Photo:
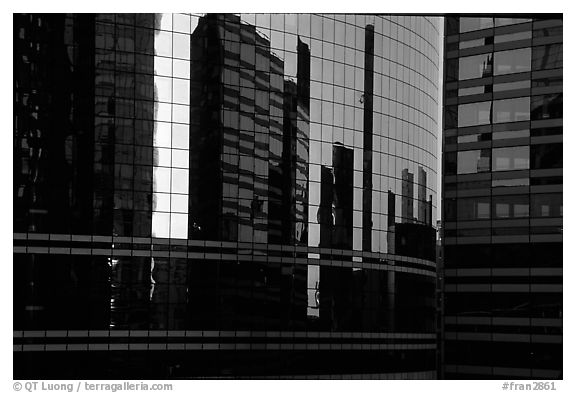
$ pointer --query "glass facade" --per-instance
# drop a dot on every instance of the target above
(227, 195)
(502, 198)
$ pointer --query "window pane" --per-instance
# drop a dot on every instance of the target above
(181, 44)
(473, 208)
(546, 107)
(161, 179)
(179, 226)
(511, 158)
(516, 109)
(179, 203)
(181, 91)
(546, 156)
(547, 57)
(179, 181)
(510, 206)
(163, 43)
(180, 158)
(162, 157)
(161, 202)
(161, 224)
(180, 136)
(450, 163)
(513, 61)
(471, 24)
(474, 114)
(546, 205)
(475, 66)
(473, 161)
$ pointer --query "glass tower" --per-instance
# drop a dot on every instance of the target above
(248, 196)
(502, 198)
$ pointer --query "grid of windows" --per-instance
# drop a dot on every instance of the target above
(229, 175)
(502, 198)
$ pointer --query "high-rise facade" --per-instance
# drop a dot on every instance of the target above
(225, 195)
(502, 198)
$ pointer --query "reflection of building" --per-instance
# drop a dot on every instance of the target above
(326, 210)
(85, 174)
(343, 196)
(227, 200)
(407, 196)
(234, 121)
(502, 198)
(335, 212)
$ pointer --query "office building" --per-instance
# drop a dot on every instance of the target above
(502, 198)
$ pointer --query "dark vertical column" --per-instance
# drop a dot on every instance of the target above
(343, 162)
(303, 76)
(429, 212)
(206, 220)
(422, 203)
(325, 214)
(290, 108)
(302, 142)
(83, 119)
(368, 129)
(391, 275)
(295, 151)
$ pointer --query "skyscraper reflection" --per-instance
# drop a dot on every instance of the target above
(216, 196)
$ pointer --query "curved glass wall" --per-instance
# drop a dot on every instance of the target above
(266, 180)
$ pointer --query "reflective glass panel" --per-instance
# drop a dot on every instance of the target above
(475, 66)
(510, 206)
(546, 107)
(473, 161)
(546, 205)
(474, 114)
(547, 57)
(471, 24)
(510, 158)
(473, 208)
(516, 109)
(512, 61)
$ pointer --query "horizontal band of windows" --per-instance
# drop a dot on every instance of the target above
(503, 288)
(216, 346)
(504, 225)
(506, 337)
(500, 329)
(504, 272)
(500, 281)
(503, 371)
(554, 238)
(106, 243)
(503, 321)
(219, 333)
(225, 257)
(429, 375)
